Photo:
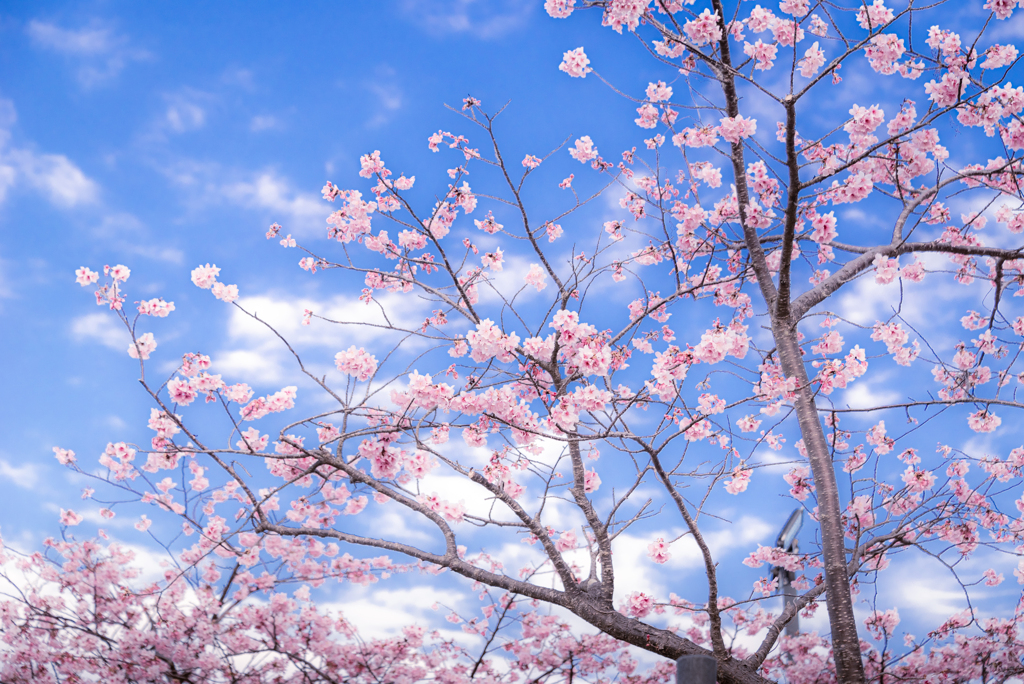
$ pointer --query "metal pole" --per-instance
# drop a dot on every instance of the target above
(789, 597)
(788, 542)
(696, 669)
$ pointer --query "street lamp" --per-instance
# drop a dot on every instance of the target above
(787, 542)
(702, 669)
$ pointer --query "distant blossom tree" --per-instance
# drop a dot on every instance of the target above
(528, 386)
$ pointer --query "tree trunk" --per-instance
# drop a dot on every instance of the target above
(845, 642)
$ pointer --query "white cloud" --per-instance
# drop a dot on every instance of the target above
(53, 175)
(184, 114)
(1011, 28)
(116, 422)
(285, 315)
(104, 328)
(128, 235)
(171, 255)
(301, 213)
(7, 177)
(484, 19)
(634, 570)
(868, 394)
(6, 290)
(454, 487)
(267, 192)
(86, 41)
(242, 78)
(92, 516)
(384, 612)
(255, 354)
(510, 283)
(260, 367)
(264, 122)
(101, 53)
(388, 94)
(25, 476)
(866, 301)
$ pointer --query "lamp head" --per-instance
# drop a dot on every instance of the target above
(787, 536)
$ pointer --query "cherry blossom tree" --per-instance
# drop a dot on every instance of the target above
(525, 388)
(84, 615)
(82, 611)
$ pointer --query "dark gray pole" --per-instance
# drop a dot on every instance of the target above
(788, 542)
(696, 669)
(789, 597)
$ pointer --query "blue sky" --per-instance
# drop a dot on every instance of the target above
(163, 137)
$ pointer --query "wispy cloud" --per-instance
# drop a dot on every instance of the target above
(186, 111)
(268, 193)
(25, 475)
(54, 176)
(100, 52)
(129, 235)
(388, 94)
(483, 19)
(255, 354)
(6, 290)
(102, 328)
(302, 213)
(264, 122)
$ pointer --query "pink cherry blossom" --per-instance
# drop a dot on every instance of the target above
(999, 56)
(64, 456)
(205, 276)
(704, 29)
(225, 293)
(733, 129)
(638, 604)
(156, 307)
(574, 63)
(69, 518)
(886, 269)
(566, 541)
(371, 164)
(488, 224)
(884, 51)
(536, 277)
(882, 625)
(740, 480)
(984, 421)
(658, 552)
(764, 54)
(993, 578)
(918, 481)
(583, 150)
(84, 276)
(797, 8)
(812, 61)
(494, 260)
(824, 228)
(875, 15)
(356, 362)
(142, 347)
(118, 273)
